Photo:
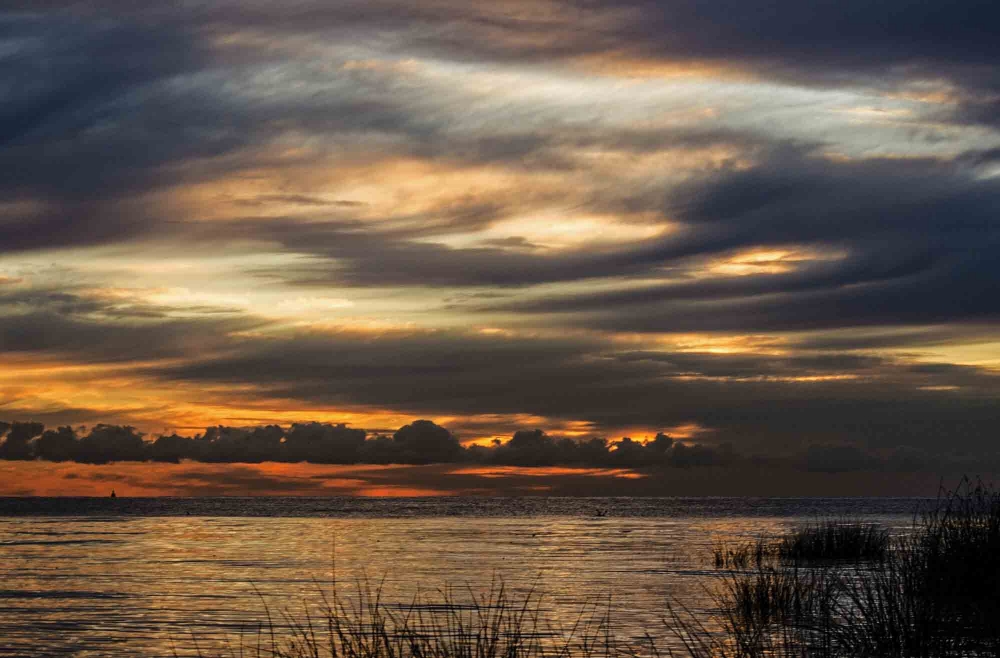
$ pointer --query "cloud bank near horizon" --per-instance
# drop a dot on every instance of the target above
(419, 442)
(423, 442)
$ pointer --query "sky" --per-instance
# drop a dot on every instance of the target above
(770, 225)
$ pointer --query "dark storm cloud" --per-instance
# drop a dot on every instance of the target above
(83, 327)
(100, 109)
(921, 243)
(17, 438)
(816, 43)
(906, 338)
(354, 256)
(66, 75)
(78, 131)
(852, 36)
(898, 242)
(753, 400)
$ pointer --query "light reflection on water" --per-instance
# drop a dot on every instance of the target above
(134, 584)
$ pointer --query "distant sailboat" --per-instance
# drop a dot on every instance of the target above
(113, 494)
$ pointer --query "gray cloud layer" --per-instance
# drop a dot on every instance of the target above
(750, 399)
(85, 128)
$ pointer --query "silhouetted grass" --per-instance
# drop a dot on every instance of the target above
(831, 539)
(742, 555)
(932, 593)
(835, 540)
(939, 595)
(496, 624)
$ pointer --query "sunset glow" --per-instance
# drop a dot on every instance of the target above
(605, 221)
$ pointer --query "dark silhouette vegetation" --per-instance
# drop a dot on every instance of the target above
(841, 589)
(420, 442)
(499, 623)
(836, 540)
(742, 555)
(830, 539)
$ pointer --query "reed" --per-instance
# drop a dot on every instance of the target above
(835, 540)
(939, 594)
(494, 624)
(932, 593)
(742, 555)
(831, 539)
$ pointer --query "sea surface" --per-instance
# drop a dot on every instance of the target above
(174, 576)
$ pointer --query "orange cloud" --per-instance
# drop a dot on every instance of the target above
(37, 478)
(189, 479)
(546, 471)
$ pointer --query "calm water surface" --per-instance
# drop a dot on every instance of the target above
(144, 577)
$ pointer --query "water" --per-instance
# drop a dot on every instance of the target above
(150, 577)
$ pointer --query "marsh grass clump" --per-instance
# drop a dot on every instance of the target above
(835, 540)
(728, 638)
(445, 624)
(767, 596)
(742, 555)
(932, 593)
(769, 610)
(939, 593)
(828, 540)
(960, 551)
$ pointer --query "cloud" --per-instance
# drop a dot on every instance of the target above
(750, 398)
(741, 397)
(535, 448)
(849, 36)
(919, 241)
(888, 241)
(318, 442)
(834, 44)
(211, 480)
(312, 480)
(419, 442)
(17, 438)
(579, 185)
(423, 442)
(99, 328)
(223, 88)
